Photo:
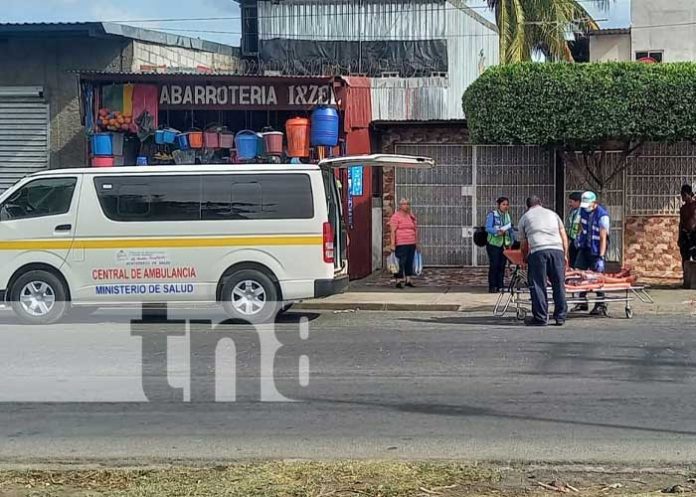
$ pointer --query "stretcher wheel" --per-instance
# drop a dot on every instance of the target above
(521, 314)
(629, 313)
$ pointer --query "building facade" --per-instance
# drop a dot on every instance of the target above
(416, 59)
(41, 123)
(663, 30)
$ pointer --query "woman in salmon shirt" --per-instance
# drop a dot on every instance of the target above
(404, 241)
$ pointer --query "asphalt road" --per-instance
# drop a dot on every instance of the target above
(409, 385)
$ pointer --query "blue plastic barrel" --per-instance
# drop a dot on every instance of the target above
(247, 145)
(101, 144)
(324, 127)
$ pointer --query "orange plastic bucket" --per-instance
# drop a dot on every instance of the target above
(195, 139)
(298, 131)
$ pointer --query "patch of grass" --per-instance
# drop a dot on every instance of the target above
(269, 479)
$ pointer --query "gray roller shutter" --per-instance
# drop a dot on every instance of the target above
(24, 125)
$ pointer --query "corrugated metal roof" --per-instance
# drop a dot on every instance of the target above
(134, 76)
(610, 31)
(107, 29)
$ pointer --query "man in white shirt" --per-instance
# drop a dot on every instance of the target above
(545, 244)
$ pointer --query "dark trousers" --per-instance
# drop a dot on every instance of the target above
(547, 265)
(405, 254)
(687, 249)
(496, 267)
(572, 254)
(586, 261)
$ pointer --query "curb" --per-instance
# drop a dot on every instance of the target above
(386, 307)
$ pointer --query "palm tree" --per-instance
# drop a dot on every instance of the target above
(526, 26)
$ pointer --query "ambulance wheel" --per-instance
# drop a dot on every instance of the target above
(521, 314)
(39, 297)
(250, 295)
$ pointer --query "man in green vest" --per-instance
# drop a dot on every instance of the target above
(500, 237)
(573, 225)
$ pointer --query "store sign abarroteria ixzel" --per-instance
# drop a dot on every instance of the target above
(250, 94)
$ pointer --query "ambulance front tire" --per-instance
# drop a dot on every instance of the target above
(250, 295)
(39, 297)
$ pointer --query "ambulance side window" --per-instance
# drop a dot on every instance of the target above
(39, 198)
(150, 198)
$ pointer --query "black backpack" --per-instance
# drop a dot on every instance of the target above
(480, 237)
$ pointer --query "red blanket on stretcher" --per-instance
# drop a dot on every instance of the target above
(578, 281)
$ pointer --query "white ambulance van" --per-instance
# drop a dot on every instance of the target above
(251, 237)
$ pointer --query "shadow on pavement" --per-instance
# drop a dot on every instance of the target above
(106, 317)
(474, 411)
(470, 320)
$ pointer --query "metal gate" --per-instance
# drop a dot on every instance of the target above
(455, 196)
(24, 138)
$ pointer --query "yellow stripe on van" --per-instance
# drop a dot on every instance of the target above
(133, 243)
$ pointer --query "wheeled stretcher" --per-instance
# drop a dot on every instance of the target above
(582, 288)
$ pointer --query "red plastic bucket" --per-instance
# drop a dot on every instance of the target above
(274, 142)
(103, 161)
(211, 138)
(226, 139)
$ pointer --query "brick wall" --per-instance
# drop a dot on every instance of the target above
(650, 247)
(159, 56)
(386, 141)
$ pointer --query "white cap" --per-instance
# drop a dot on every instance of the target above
(588, 198)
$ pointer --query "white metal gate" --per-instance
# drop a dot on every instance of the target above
(455, 196)
(24, 138)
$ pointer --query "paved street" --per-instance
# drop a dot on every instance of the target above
(411, 385)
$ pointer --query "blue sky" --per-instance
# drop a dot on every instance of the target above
(130, 10)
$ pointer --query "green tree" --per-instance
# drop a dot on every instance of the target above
(584, 110)
(526, 26)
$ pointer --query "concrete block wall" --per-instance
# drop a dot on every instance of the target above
(150, 54)
(53, 64)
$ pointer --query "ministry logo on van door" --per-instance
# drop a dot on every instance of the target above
(121, 256)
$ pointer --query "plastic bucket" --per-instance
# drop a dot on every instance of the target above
(102, 144)
(274, 142)
(226, 140)
(182, 141)
(159, 137)
(195, 139)
(247, 145)
(325, 127)
(211, 139)
(260, 145)
(297, 130)
(141, 161)
(169, 136)
(117, 143)
(102, 161)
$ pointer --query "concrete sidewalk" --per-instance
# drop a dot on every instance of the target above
(670, 301)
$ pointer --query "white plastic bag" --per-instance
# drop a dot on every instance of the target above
(393, 264)
(417, 263)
